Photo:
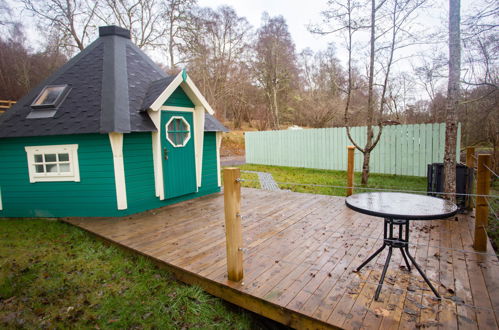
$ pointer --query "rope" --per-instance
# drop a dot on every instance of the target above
(491, 171)
(437, 247)
(491, 208)
(377, 189)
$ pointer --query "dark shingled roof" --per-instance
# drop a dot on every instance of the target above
(109, 81)
(155, 89)
(211, 124)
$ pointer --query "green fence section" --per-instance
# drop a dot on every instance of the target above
(402, 150)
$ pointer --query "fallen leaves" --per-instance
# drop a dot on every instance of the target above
(381, 312)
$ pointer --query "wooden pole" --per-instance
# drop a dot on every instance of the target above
(482, 208)
(470, 154)
(351, 161)
(233, 232)
(470, 163)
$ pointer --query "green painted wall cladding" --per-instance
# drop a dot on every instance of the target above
(95, 194)
(139, 172)
(179, 99)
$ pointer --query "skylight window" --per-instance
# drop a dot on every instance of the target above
(50, 96)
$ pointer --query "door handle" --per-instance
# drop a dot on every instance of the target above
(165, 153)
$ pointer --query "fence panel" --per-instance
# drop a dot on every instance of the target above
(402, 149)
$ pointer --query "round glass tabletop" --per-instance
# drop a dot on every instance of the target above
(401, 205)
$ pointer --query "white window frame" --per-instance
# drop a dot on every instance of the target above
(74, 168)
(188, 133)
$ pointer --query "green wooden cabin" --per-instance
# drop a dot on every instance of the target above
(109, 134)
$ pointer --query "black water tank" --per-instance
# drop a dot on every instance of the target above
(464, 181)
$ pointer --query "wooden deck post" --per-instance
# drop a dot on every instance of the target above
(351, 162)
(482, 208)
(233, 232)
(470, 163)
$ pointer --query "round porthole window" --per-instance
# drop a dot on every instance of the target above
(178, 131)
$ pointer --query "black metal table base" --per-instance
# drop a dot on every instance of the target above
(401, 243)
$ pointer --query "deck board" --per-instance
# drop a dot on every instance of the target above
(300, 253)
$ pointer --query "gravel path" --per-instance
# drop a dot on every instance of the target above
(267, 182)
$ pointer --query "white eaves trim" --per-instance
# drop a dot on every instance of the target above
(189, 88)
(218, 137)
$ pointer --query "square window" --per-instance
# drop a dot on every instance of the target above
(40, 169)
(63, 157)
(50, 158)
(53, 163)
(63, 168)
(50, 96)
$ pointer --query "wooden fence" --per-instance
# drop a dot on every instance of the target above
(402, 150)
(6, 104)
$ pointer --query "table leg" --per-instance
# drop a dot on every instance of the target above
(406, 239)
(385, 229)
(405, 259)
(422, 273)
(385, 268)
(371, 257)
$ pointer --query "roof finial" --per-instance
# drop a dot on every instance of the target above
(184, 74)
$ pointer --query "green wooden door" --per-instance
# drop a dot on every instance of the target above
(177, 143)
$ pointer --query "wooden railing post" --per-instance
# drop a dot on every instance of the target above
(470, 157)
(470, 163)
(482, 208)
(233, 232)
(350, 168)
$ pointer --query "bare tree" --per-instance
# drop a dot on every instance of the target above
(74, 19)
(144, 18)
(275, 65)
(179, 16)
(387, 24)
(216, 49)
(452, 97)
(322, 80)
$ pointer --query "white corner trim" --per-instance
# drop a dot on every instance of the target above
(116, 140)
(198, 119)
(156, 155)
(158, 166)
(155, 117)
(74, 168)
(1, 204)
(219, 136)
(166, 93)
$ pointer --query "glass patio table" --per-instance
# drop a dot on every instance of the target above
(398, 209)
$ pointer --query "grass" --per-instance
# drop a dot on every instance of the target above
(57, 276)
(328, 177)
(493, 229)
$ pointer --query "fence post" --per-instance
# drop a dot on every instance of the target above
(233, 232)
(482, 208)
(350, 169)
(470, 163)
(470, 154)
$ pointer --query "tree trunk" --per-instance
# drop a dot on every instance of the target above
(452, 98)
(275, 115)
(370, 101)
(365, 167)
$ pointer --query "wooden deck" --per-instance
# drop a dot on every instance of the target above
(301, 250)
